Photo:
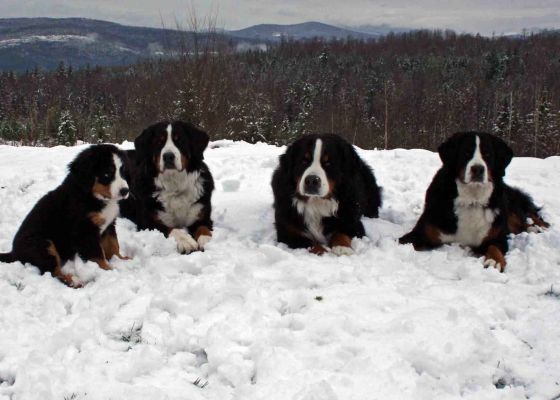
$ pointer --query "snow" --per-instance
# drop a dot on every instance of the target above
(250, 319)
(48, 38)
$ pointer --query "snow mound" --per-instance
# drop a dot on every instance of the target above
(251, 319)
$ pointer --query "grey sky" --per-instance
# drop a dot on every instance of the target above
(500, 16)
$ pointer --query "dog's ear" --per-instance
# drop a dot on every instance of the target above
(448, 150)
(142, 144)
(287, 161)
(503, 155)
(350, 158)
(82, 169)
(198, 139)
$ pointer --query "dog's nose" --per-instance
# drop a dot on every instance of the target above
(169, 159)
(312, 184)
(477, 172)
(124, 192)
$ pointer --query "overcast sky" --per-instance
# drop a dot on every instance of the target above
(500, 16)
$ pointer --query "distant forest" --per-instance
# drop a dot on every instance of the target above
(409, 90)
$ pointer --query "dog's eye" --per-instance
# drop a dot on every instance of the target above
(106, 175)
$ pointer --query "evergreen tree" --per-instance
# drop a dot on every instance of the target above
(66, 133)
(100, 128)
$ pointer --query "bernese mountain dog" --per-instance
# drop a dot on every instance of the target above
(321, 190)
(171, 186)
(469, 203)
(76, 218)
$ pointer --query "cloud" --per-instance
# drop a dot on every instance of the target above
(461, 15)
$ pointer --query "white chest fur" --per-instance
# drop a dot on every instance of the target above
(178, 194)
(313, 211)
(109, 213)
(474, 217)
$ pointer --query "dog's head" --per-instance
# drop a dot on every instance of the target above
(101, 170)
(318, 164)
(475, 157)
(174, 145)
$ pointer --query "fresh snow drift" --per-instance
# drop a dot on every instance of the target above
(250, 319)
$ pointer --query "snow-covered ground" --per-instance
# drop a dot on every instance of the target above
(250, 319)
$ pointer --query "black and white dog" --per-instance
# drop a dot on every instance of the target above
(469, 203)
(321, 190)
(171, 185)
(76, 218)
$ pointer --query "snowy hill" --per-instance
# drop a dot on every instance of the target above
(249, 319)
(26, 43)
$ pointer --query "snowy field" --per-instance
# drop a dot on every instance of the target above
(251, 319)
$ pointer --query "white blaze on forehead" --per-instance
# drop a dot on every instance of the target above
(315, 169)
(118, 182)
(170, 147)
(476, 160)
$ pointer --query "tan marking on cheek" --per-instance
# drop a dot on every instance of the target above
(96, 218)
(101, 190)
(490, 176)
(155, 160)
(332, 186)
(202, 231)
(493, 253)
(184, 162)
(298, 181)
(340, 239)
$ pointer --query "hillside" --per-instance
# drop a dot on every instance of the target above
(26, 43)
(306, 30)
(250, 319)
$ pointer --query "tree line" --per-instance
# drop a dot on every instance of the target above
(407, 90)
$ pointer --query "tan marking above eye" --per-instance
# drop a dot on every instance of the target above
(307, 156)
(325, 158)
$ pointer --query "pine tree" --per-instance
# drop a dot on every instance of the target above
(66, 133)
(100, 128)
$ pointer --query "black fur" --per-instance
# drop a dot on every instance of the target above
(355, 189)
(508, 203)
(62, 217)
(142, 206)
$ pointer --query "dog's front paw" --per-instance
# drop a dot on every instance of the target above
(495, 259)
(494, 264)
(203, 240)
(185, 242)
(342, 250)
